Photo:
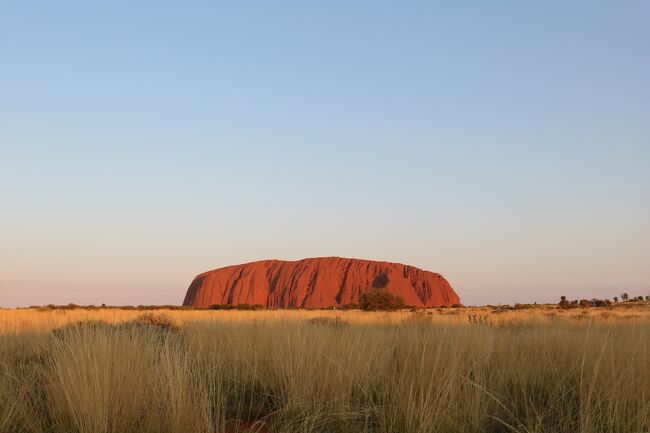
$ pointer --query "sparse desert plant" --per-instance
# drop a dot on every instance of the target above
(477, 319)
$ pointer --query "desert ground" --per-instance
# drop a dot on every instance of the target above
(537, 369)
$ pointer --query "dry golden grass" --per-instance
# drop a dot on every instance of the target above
(538, 370)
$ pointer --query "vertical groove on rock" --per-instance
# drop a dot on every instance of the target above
(310, 287)
(233, 286)
(339, 295)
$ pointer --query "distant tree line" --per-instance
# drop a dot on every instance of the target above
(584, 303)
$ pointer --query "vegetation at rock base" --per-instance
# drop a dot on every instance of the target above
(380, 300)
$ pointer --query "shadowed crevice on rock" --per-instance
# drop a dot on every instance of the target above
(193, 290)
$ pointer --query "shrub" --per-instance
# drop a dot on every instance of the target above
(87, 325)
(601, 302)
(161, 321)
(380, 300)
(249, 307)
(563, 302)
(221, 307)
(236, 307)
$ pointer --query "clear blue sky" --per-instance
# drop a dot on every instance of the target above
(503, 144)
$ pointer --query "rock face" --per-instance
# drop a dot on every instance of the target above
(316, 283)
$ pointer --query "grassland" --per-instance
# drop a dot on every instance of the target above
(455, 370)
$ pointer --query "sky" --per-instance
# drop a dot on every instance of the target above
(505, 145)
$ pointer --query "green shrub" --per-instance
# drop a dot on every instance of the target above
(380, 300)
(236, 307)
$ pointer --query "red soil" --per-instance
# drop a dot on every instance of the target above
(316, 283)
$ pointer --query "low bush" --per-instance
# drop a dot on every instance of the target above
(236, 307)
(380, 300)
(161, 321)
(585, 303)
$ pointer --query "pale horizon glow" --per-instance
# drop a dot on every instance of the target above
(505, 146)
